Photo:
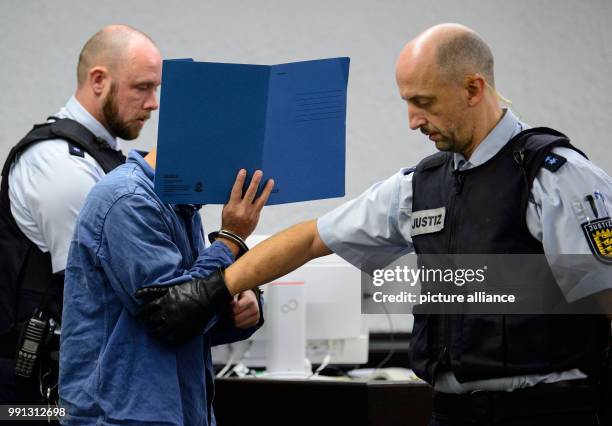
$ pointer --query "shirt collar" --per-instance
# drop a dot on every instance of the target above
(506, 129)
(137, 157)
(73, 109)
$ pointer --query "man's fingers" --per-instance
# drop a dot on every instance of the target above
(247, 324)
(236, 194)
(245, 298)
(238, 309)
(242, 305)
(265, 194)
(249, 196)
(246, 320)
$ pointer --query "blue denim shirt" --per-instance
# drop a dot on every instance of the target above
(111, 371)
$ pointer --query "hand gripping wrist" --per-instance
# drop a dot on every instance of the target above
(177, 313)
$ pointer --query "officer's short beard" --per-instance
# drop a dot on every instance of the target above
(116, 125)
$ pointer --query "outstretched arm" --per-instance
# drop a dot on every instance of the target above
(176, 313)
(275, 257)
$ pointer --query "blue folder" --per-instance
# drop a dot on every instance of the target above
(287, 120)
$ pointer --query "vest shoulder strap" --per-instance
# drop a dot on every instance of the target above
(536, 144)
(73, 132)
(433, 161)
(531, 148)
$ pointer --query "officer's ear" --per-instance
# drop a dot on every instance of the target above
(475, 86)
(99, 79)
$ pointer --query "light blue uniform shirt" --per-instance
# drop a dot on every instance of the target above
(47, 186)
(375, 227)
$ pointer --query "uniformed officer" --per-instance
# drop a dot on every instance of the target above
(45, 180)
(530, 191)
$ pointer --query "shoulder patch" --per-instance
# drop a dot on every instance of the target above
(408, 170)
(599, 236)
(75, 150)
(553, 162)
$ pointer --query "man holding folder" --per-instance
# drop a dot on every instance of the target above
(111, 370)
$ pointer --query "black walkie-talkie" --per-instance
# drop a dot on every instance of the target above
(30, 341)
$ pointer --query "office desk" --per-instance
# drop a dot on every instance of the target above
(252, 401)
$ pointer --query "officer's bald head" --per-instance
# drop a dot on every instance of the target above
(445, 75)
(454, 51)
(463, 52)
(110, 47)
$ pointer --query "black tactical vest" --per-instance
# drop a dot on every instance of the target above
(25, 271)
(485, 213)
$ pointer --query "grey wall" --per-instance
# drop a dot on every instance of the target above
(553, 59)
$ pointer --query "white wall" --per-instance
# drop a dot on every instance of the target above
(553, 59)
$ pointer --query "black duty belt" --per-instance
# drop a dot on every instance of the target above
(493, 406)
